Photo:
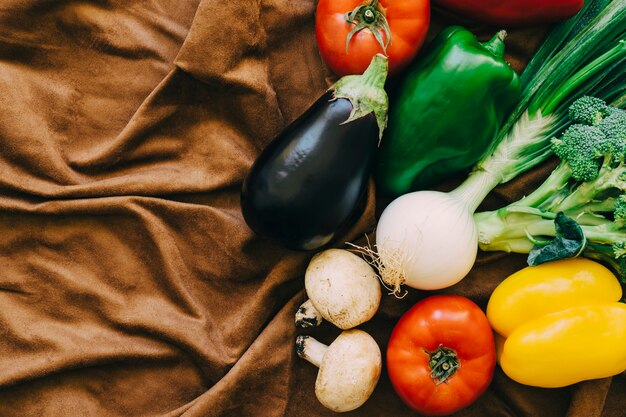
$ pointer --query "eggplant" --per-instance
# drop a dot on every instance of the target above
(309, 185)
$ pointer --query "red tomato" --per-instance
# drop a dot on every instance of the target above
(407, 24)
(441, 355)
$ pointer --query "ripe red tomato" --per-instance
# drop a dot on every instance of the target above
(441, 355)
(407, 21)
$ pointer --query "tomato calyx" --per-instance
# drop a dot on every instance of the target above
(443, 363)
(369, 15)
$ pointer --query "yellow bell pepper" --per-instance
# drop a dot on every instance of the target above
(559, 323)
(547, 288)
(567, 347)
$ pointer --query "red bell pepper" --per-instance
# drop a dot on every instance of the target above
(508, 13)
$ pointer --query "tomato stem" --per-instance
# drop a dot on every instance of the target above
(443, 363)
(369, 15)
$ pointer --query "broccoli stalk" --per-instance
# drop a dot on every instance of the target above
(515, 229)
(588, 186)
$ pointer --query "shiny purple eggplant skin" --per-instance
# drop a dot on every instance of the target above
(309, 184)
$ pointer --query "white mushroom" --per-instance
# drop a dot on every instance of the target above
(349, 368)
(342, 288)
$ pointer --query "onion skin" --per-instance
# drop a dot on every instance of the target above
(434, 236)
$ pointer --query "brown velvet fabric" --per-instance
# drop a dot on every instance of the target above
(129, 283)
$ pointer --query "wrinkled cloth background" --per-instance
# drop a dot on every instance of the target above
(129, 283)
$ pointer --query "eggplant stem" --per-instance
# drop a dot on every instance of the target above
(366, 92)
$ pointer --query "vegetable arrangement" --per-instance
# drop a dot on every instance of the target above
(562, 323)
(459, 105)
(514, 12)
(307, 186)
(428, 239)
(350, 32)
(434, 129)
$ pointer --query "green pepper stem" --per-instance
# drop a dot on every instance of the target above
(496, 44)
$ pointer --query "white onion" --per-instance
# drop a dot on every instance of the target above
(427, 239)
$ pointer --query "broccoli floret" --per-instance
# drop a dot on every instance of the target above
(619, 250)
(580, 147)
(614, 124)
(619, 213)
(587, 110)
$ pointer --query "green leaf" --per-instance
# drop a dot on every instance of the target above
(569, 243)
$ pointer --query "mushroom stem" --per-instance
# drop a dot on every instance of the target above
(310, 349)
(307, 315)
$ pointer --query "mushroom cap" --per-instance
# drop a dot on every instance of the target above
(342, 287)
(349, 371)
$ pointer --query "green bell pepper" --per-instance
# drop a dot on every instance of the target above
(448, 110)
